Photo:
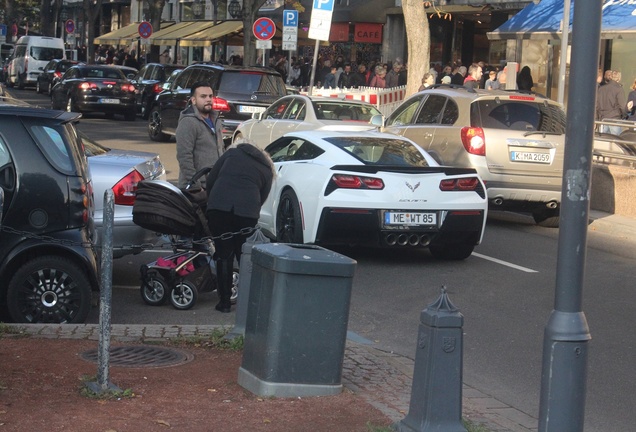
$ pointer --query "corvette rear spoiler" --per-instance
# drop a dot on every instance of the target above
(373, 169)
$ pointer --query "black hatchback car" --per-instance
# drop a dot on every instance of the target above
(95, 88)
(48, 266)
(51, 74)
(239, 92)
(149, 83)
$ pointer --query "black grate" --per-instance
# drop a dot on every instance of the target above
(139, 356)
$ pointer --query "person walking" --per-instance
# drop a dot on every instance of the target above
(393, 76)
(346, 79)
(379, 79)
(199, 134)
(427, 80)
(610, 103)
(330, 79)
(474, 76)
(631, 103)
(237, 187)
(491, 82)
(524, 79)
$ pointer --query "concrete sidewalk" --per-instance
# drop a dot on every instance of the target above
(383, 379)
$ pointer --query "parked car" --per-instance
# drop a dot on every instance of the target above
(51, 74)
(95, 88)
(48, 266)
(515, 141)
(239, 92)
(121, 171)
(32, 53)
(373, 189)
(297, 112)
(149, 83)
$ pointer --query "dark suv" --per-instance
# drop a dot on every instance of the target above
(239, 92)
(48, 266)
(148, 84)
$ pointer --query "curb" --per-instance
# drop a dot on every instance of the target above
(382, 379)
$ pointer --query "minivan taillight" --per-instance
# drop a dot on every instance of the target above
(125, 190)
(474, 141)
(219, 104)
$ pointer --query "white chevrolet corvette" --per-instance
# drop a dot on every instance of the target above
(371, 189)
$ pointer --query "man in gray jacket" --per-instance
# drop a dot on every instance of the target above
(199, 134)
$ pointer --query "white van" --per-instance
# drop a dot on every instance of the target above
(30, 55)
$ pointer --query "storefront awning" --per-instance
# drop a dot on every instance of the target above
(211, 34)
(543, 21)
(122, 35)
(174, 34)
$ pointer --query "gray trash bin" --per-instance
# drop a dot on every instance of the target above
(297, 317)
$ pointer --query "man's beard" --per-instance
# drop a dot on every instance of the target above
(206, 109)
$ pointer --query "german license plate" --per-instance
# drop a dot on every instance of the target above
(533, 157)
(410, 218)
(250, 109)
(109, 101)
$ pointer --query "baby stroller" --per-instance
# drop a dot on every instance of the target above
(190, 269)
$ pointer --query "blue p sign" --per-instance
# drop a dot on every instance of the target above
(290, 18)
(326, 5)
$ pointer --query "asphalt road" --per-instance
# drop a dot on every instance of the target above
(505, 292)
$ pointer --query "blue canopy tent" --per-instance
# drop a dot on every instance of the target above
(543, 21)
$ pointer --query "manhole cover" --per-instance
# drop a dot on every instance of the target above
(138, 356)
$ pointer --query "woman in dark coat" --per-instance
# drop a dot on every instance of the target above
(524, 79)
(237, 186)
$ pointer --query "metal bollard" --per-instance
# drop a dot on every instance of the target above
(244, 283)
(436, 394)
(105, 299)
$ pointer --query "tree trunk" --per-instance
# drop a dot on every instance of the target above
(48, 19)
(91, 12)
(250, 11)
(156, 9)
(419, 43)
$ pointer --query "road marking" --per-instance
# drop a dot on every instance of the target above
(498, 261)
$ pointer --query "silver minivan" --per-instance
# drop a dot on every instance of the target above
(30, 56)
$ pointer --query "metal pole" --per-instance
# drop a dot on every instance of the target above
(566, 337)
(564, 50)
(313, 67)
(105, 299)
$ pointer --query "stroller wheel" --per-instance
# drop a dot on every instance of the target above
(154, 289)
(235, 282)
(184, 295)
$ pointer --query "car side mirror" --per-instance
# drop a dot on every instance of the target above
(257, 115)
(377, 120)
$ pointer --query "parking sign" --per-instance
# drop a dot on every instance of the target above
(320, 23)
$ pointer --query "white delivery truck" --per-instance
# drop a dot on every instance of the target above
(30, 55)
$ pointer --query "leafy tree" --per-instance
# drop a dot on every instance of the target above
(156, 9)
(24, 13)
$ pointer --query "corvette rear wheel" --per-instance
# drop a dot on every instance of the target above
(289, 224)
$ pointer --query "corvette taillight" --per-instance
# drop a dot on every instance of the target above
(125, 190)
(346, 181)
(219, 104)
(460, 184)
(474, 141)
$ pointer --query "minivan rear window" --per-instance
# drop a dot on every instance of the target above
(517, 115)
(251, 82)
(46, 53)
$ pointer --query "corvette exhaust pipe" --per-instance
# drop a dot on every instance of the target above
(402, 239)
(414, 240)
(425, 240)
(391, 239)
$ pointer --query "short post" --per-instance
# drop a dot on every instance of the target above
(245, 276)
(105, 299)
(436, 394)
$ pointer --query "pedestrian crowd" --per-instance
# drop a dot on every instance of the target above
(611, 104)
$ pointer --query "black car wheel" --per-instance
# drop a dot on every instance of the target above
(49, 289)
(146, 106)
(184, 295)
(49, 89)
(289, 225)
(154, 126)
(70, 105)
(154, 289)
(20, 82)
(37, 87)
(451, 251)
